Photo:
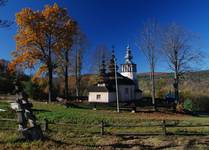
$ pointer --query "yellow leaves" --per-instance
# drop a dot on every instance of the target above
(49, 10)
(25, 16)
(39, 32)
(25, 59)
(37, 75)
(12, 66)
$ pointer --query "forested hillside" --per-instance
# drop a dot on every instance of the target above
(194, 86)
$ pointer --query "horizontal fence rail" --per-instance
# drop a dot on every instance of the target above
(107, 128)
(5, 119)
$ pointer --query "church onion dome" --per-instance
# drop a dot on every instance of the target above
(128, 56)
(102, 71)
(112, 64)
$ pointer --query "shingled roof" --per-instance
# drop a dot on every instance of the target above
(120, 79)
(101, 89)
(110, 83)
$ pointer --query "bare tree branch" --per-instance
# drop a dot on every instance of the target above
(179, 49)
(149, 45)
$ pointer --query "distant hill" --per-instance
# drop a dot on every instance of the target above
(193, 85)
(156, 73)
(195, 75)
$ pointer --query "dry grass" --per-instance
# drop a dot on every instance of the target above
(81, 136)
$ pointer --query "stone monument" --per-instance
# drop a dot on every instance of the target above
(26, 119)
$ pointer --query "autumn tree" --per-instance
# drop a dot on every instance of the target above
(40, 38)
(181, 52)
(148, 44)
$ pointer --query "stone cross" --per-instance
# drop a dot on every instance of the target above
(25, 115)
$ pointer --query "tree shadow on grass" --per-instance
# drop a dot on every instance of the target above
(190, 144)
(141, 146)
(22, 140)
(114, 146)
(119, 145)
(72, 105)
(55, 141)
(165, 147)
(187, 134)
(1, 142)
(145, 111)
(41, 110)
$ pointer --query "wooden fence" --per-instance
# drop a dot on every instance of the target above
(163, 126)
(104, 127)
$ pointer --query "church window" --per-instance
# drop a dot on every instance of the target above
(98, 96)
(103, 84)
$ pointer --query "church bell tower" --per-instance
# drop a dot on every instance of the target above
(129, 68)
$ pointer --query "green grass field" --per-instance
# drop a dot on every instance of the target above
(83, 130)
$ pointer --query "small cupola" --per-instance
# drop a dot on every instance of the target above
(128, 69)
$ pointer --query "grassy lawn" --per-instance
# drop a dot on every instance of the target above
(83, 131)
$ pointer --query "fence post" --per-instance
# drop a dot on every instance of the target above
(94, 106)
(102, 127)
(46, 125)
(164, 128)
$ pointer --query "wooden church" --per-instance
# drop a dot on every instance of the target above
(105, 90)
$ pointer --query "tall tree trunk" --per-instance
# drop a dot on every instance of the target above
(176, 87)
(66, 75)
(176, 80)
(176, 91)
(176, 77)
(78, 72)
(76, 75)
(50, 84)
(77, 89)
(153, 87)
(78, 86)
(50, 71)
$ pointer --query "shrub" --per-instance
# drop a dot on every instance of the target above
(179, 107)
(187, 105)
(34, 90)
(6, 86)
(201, 103)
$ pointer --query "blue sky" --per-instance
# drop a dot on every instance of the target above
(117, 22)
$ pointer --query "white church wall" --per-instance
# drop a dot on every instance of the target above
(126, 93)
(101, 97)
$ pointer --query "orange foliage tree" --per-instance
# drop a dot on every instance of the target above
(41, 37)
